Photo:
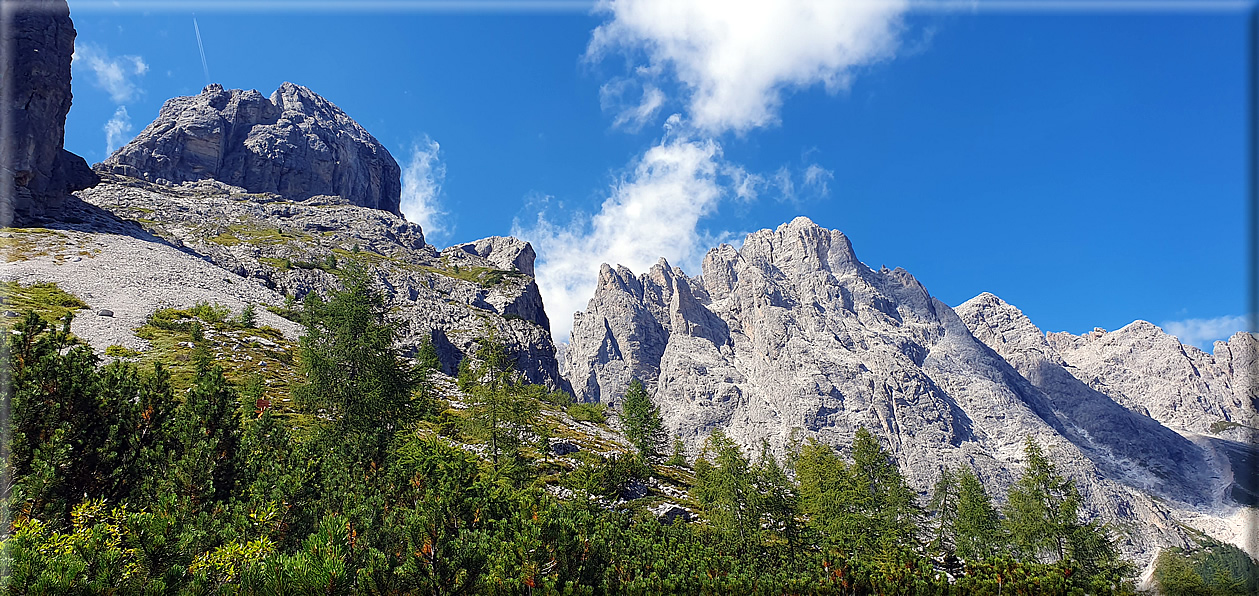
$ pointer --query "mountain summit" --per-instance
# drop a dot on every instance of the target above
(791, 337)
(295, 143)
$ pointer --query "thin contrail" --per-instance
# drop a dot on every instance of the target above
(205, 67)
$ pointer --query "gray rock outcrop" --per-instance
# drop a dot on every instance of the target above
(791, 337)
(38, 43)
(1150, 372)
(1132, 445)
(295, 144)
(452, 300)
(504, 251)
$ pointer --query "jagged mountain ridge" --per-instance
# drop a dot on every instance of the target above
(791, 336)
(788, 335)
(1183, 387)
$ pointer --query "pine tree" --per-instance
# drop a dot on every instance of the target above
(641, 418)
(678, 458)
(1042, 510)
(978, 528)
(778, 497)
(944, 507)
(352, 374)
(726, 488)
(499, 411)
(822, 477)
(207, 428)
(889, 503)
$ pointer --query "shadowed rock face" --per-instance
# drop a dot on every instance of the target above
(36, 96)
(1117, 437)
(295, 144)
(1150, 372)
(791, 337)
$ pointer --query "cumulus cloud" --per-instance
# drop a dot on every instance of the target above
(1203, 332)
(652, 211)
(736, 58)
(733, 61)
(422, 180)
(117, 130)
(116, 75)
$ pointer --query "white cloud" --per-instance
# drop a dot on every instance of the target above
(814, 183)
(653, 211)
(422, 180)
(735, 58)
(1202, 332)
(631, 117)
(117, 130)
(786, 188)
(115, 75)
(818, 178)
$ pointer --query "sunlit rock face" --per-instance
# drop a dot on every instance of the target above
(295, 144)
(790, 336)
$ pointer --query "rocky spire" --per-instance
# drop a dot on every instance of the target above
(35, 94)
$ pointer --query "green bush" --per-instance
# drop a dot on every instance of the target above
(248, 317)
(117, 351)
(210, 313)
(588, 412)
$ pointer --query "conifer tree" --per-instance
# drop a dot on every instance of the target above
(726, 488)
(499, 411)
(880, 489)
(1043, 508)
(778, 496)
(352, 374)
(944, 507)
(978, 527)
(678, 458)
(641, 418)
(207, 428)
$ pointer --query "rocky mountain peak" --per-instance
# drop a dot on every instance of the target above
(295, 143)
(1003, 327)
(790, 337)
(801, 246)
(1150, 372)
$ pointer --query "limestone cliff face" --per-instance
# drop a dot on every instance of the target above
(1153, 374)
(1129, 444)
(791, 336)
(295, 143)
(38, 43)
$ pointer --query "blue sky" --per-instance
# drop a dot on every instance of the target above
(1088, 167)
